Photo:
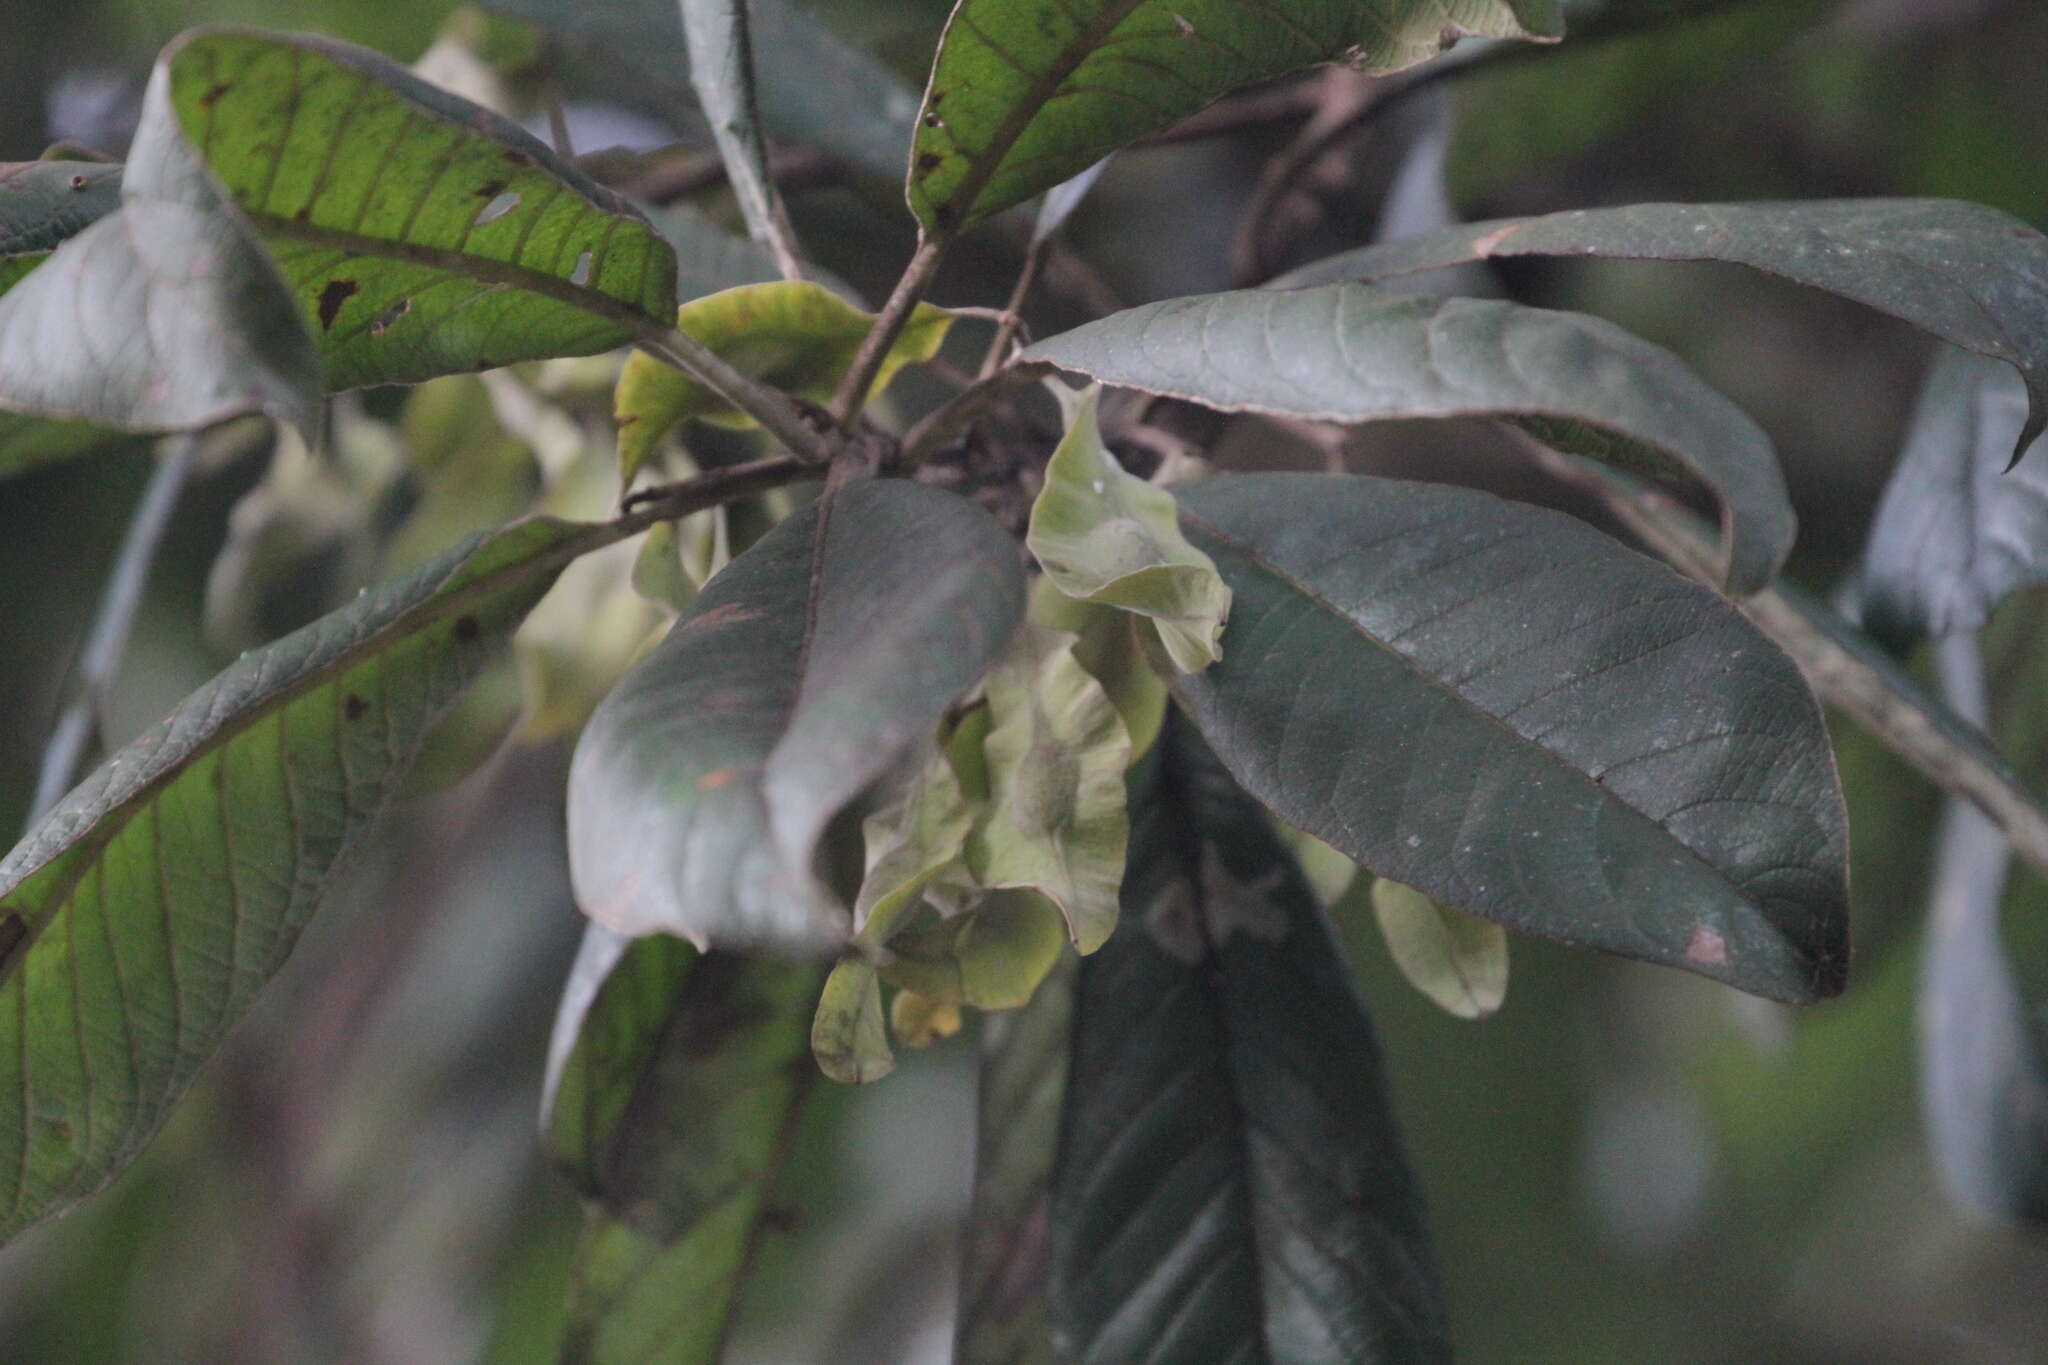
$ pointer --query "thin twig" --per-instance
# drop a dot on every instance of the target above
(874, 347)
(962, 410)
(770, 407)
(100, 661)
(1013, 311)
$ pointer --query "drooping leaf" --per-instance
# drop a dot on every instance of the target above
(1457, 960)
(1057, 750)
(718, 37)
(920, 1021)
(42, 203)
(1106, 536)
(681, 1079)
(909, 840)
(1973, 276)
(1329, 874)
(795, 334)
(993, 956)
(139, 918)
(1230, 1182)
(1348, 353)
(1109, 648)
(1956, 532)
(422, 235)
(848, 1036)
(1003, 1315)
(1983, 1075)
(800, 675)
(1027, 93)
(1510, 712)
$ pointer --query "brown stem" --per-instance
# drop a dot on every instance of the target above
(781, 418)
(874, 347)
(1012, 319)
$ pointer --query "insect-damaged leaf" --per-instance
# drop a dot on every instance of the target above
(1973, 276)
(797, 678)
(1510, 712)
(680, 1078)
(1349, 353)
(992, 956)
(141, 915)
(794, 334)
(1107, 536)
(1230, 1182)
(1457, 960)
(916, 835)
(1027, 93)
(848, 1036)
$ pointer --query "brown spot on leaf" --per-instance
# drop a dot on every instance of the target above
(1707, 948)
(780, 1218)
(465, 628)
(715, 779)
(1490, 242)
(332, 297)
(629, 419)
(213, 94)
(390, 315)
(729, 614)
(932, 119)
(927, 162)
(517, 157)
(354, 707)
(13, 929)
(490, 189)
(77, 182)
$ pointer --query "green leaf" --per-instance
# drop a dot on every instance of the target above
(42, 203)
(1508, 711)
(909, 840)
(722, 72)
(140, 917)
(26, 442)
(422, 235)
(992, 957)
(1456, 960)
(848, 1036)
(796, 335)
(708, 258)
(1027, 93)
(801, 674)
(1109, 648)
(1105, 536)
(1057, 750)
(1956, 533)
(1353, 354)
(1230, 1182)
(681, 1079)
(1973, 276)
(1003, 1314)
(1329, 873)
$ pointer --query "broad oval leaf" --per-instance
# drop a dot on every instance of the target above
(1349, 353)
(1027, 93)
(1956, 532)
(421, 234)
(1230, 1183)
(848, 1036)
(802, 672)
(794, 334)
(1510, 712)
(141, 916)
(1104, 535)
(42, 203)
(1457, 960)
(1971, 275)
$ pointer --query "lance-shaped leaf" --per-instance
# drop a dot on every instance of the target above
(1057, 750)
(140, 917)
(1457, 960)
(1027, 93)
(1230, 1182)
(1004, 1247)
(848, 1036)
(421, 234)
(682, 1078)
(42, 203)
(1956, 532)
(800, 675)
(722, 71)
(1510, 712)
(1349, 353)
(1104, 535)
(1973, 276)
(794, 334)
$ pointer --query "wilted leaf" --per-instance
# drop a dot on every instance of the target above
(1109, 648)
(916, 835)
(1349, 353)
(794, 334)
(143, 913)
(800, 675)
(1027, 93)
(1455, 959)
(1230, 1182)
(1103, 535)
(1507, 710)
(1056, 753)
(848, 1036)
(44, 202)
(992, 957)
(1972, 276)
(919, 1021)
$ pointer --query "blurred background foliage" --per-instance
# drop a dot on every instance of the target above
(1624, 1164)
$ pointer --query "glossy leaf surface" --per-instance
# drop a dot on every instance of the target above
(1349, 353)
(1505, 709)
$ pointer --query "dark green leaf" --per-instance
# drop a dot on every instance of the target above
(803, 671)
(1973, 276)
(1230, 1183)
(139, 918)
(1508, 711)
(26, 442)
(1003, 1315)
(681, 1079)
(44, 202)
(1955, 532)
(1349, 353)
(1027, 93)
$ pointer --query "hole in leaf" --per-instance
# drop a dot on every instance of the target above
(390, 315)
(498, 207)
(335, 294)
(581, 274)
